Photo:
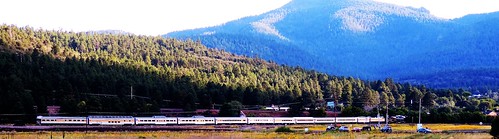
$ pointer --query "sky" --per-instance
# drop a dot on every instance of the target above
(157, 17)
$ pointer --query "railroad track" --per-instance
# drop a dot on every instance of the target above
(180, 128)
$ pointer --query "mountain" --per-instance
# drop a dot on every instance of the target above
(125, 74)
(366, 39)
(88, 72)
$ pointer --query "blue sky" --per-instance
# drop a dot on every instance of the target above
(156, 17)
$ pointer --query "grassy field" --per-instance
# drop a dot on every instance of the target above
(403, 127)
(230, 135)
(267, 133)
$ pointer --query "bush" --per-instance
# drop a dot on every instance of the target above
(494, 130)
(231, 109)
(283, 129)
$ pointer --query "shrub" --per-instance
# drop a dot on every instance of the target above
(494, 130)
(283, 129)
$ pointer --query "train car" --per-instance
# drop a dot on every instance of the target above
(156, 120)
(284, 120)
(304, 120)
(111, 120)
(260, 120)
(231, 120)
(325, 120)
(363, 119)
(377, 119)
(195, 120)
(58, 120)
(346, 119)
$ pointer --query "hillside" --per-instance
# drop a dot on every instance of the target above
(364, 39)
(88, 73)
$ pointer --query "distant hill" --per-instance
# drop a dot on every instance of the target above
(365, 39)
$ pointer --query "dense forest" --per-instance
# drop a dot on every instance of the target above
(90, 72)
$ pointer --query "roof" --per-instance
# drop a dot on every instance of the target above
(492, 114)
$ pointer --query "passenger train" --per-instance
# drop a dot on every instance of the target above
(197, 120)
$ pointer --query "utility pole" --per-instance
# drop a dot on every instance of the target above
(334, 110)
(386, 114)
(419, 122)
(131, 92)
(379, 122)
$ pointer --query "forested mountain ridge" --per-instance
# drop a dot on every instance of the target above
(365, 39)
(87, 72)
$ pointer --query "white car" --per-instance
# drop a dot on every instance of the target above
(343, 129)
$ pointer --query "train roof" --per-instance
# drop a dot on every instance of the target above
(58, 117)
(108, 116)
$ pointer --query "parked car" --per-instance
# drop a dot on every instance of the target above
(366, 128)
(387, 129)
(343, 129)
(356, 129)
(330, 128)
(424, 130)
